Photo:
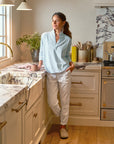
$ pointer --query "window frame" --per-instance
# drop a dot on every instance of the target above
(8, 27)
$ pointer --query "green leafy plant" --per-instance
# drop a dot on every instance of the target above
(33, 41)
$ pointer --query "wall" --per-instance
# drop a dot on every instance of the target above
(81, 15)
(16, 32)
(104, 27)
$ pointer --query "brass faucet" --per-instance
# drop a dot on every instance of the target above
(5, 44)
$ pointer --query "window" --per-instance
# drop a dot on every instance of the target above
(4, 30)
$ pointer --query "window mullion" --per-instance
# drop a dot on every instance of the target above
(5, 30)
(4, 34)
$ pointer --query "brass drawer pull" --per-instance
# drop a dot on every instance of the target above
(77, 104)
(105, 82)
(35, 115)
(20, 107)
(104, 114)
(77, 82)
(2, 124)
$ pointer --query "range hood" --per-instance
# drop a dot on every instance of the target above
(104, 4)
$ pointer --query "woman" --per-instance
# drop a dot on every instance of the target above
(55, 56)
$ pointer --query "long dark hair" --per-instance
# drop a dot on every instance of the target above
(66, 26)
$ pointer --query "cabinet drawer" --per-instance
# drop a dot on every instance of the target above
(84, 82)
(107, 114)
(84, 106)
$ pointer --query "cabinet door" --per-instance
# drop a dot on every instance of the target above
(32, 123)
(43, 109)
(107, 99)
(2, 126)
(13, 127)
(36, 118)
(28, 138)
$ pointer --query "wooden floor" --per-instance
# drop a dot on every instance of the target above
(81, 135)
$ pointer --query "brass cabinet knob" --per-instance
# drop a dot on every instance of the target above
(35, 115)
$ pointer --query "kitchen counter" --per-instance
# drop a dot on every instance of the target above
(87, 66)
(20, 69)
(9, 93)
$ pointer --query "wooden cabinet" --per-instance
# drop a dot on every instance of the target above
(83, 105)
(26, 124)
(3, 123)
(13, 130)
(32, 122)
(84, 82)
(85, 95)
(36, 117)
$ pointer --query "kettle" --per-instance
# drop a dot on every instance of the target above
(111, 56)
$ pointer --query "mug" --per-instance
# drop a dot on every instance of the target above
(34, 67)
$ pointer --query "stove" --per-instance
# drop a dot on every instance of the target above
(108, 63)
(107, 91)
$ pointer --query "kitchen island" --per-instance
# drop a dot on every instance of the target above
(24, 108)
(23, 105)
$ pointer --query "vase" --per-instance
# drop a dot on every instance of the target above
(82, 56)
(35, 55)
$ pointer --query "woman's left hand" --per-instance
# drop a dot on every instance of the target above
(71, 67)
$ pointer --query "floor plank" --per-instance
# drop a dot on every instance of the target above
(81, 135)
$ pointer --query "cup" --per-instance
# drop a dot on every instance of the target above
(34, 67)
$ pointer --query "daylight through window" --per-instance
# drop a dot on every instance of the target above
(4, 30)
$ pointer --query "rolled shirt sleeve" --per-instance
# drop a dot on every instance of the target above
(68, 51)
(41, 49)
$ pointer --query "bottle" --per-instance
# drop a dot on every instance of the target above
(74, 54)
(91, 54)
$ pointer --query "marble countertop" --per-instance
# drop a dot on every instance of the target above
(88, 66)
(20, 69)
(9, 93)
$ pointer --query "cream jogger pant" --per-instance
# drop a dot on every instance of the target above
(59, 82)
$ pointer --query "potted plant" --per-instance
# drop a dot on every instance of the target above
(33, 41)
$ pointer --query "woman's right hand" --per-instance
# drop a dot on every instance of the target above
(34, 67)
(40, 64)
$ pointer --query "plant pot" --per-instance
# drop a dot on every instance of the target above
(35, 55)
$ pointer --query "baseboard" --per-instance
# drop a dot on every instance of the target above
(86, 121)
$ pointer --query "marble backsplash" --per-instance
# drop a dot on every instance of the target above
(104, 27)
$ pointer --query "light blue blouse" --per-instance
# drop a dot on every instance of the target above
(55, 55)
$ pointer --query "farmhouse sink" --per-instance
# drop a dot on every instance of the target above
(33, 83)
